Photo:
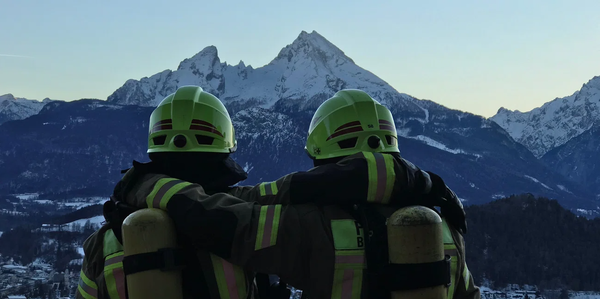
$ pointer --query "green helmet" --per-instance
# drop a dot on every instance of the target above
(351, 122)
(191, 120)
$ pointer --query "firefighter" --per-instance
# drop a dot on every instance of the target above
(351, 122)
(190, 176)
(327, 244)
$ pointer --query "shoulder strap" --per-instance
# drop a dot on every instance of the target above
(115, 213)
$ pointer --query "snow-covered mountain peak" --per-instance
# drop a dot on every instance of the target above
(311, 46)
(593, 83)
(555, 122)
(241, 65)
(503, 110)
(305, 73)
(11, 97)
(207, 58)
(7, 97)
(13, 108)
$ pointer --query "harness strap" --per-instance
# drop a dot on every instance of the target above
(398, 277)
(166, 259)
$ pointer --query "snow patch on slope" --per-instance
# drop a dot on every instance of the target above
(26, 196)
(248, 167)
(440, 145)
(587, 212)
(563, 188)
(537, 181)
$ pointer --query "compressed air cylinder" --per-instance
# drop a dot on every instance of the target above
(149, 230)
(415, 236)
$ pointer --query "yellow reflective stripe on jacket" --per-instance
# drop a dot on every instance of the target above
(231, 279)
(87, 288)
(114, 275)
(381, 177)
(268, 226)
(451, 250)
(268, 188)
(163, 190)
(349, 259)
(345, 259)
(113, 266)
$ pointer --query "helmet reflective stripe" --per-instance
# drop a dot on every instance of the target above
(350, 122)
(201, 125)
(386, 125)
(347, 128)
(162, 125)
(191, 120)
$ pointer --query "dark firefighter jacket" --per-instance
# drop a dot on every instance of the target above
(256, 229)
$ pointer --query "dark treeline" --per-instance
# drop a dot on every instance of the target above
(26, 242)
(525, 240)
(24, 245)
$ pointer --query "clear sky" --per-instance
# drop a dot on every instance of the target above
(475, 56)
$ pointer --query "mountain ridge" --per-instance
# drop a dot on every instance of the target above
(13, 108)
(577, 159)
(555, 122)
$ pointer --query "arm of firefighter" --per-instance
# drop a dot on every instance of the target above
(363, 178)
(370, 177)
(348, 181)
(272, 241)
(245, 233)
(87, 287)
(465, 286)
(276, 192)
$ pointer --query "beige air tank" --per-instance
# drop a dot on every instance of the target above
(149, 230)
(415, 236)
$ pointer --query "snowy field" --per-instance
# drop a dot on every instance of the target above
(584, 295)
(76, 225)
(530, 292)
(24, 204)
(76, 202)
(96, 221)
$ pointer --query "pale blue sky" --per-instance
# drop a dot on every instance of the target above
(470, 55)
